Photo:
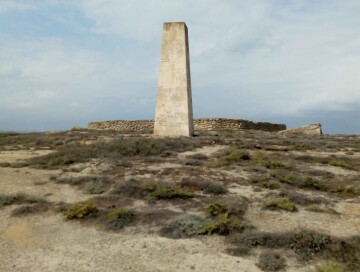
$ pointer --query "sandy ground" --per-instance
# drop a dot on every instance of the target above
(47, 242)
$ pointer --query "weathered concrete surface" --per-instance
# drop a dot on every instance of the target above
(174, 115)
(312, 129)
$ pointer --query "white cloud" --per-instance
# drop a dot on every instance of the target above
(15, 5)
(258, 57)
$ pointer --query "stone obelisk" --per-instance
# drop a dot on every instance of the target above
(174, 115)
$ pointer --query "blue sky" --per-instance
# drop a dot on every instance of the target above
(66, 63)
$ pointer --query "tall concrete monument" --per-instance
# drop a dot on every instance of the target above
(174, 115)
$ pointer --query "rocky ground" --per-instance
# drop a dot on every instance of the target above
(85, 200)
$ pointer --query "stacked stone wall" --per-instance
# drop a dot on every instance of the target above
(211, 124)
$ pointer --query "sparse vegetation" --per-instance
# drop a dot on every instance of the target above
(30, 209)
(90, 184)
(183, 226)
(342, 164)
(115, 149)
(6, 200)
(220, 221)
(235, 155)
(283, 177)
(271, 261)
(282, 203)
(119, 218)
(216, 209)
(330, 266)
(221, 224)
(312, 183)
(164, 190)
(307, 245)
(81, 210)
(197, 156)
(197, 200)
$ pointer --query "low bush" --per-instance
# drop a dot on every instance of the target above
(164, 190)
(192, 162)
(81, 210)
(197, 156)
(30, 209)
(307, 243)
(6, 200)
(235, 155)
(220, 221)
(330, 266)
(342, 164)
(346, 189)
(312, 183)
(216, 208)
(282, 203)
(131, 188)
(115, 149)
(283, 177)
(208, 187)
(183, 226)
(302, 199)
(269, 163)
(119, 218)
(213, 188)
(270, 184)
(271, 261)
(222, 225)
(90, 184)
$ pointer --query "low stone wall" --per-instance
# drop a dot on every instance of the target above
(214, 124)
(234, 124)
(126, 125)
(312, 129)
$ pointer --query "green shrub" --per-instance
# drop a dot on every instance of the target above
(311, 183)
(271, 261)
(213, 188)
(330, 266)
(6, 200)
(30, 209)
(269, 163)
(222, 225)
(216, 209)
(90, 184)
(115, 149)
(281, 203)
(235, 155)
(119, 218)
(342, 164)
(131, 188)
(348, 189)
(197, 156)
(302, 199)
(81, 210)
(192, 162)
(307, 243)
(287, 178)
(183, 226)
(162, 190)
(270, 184)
